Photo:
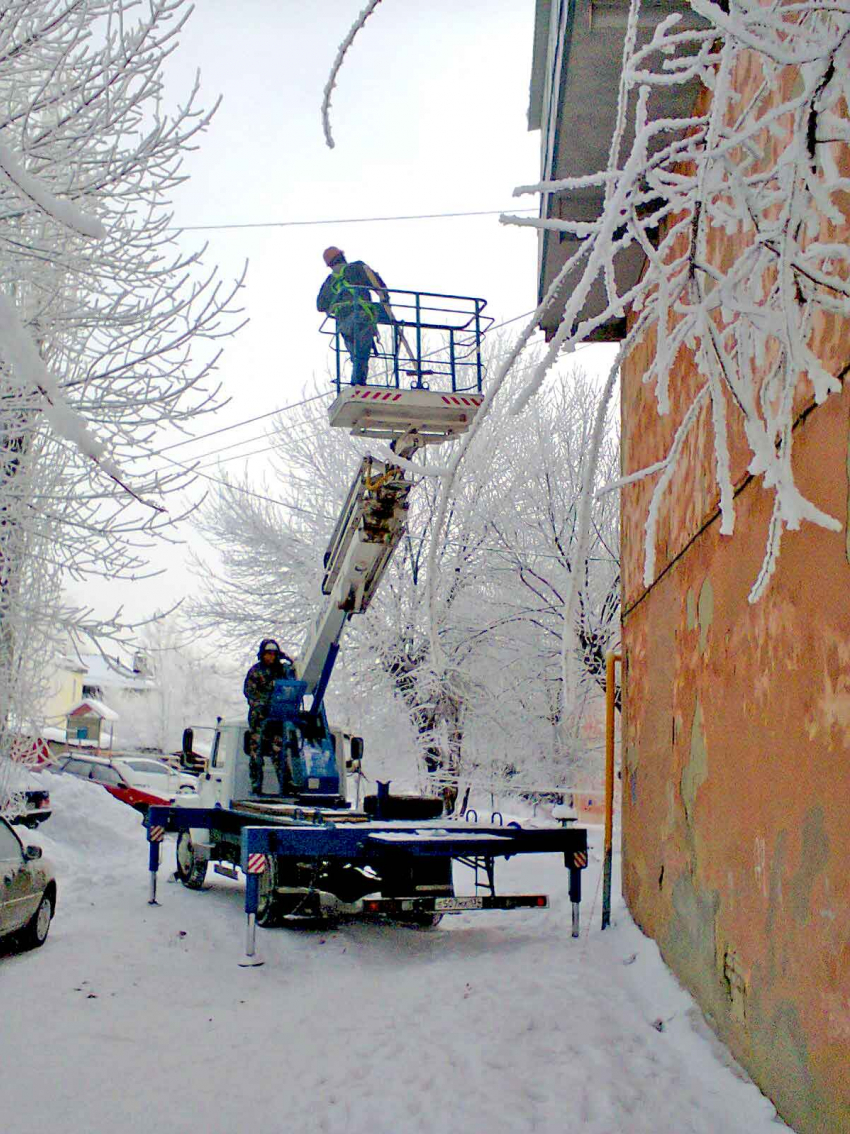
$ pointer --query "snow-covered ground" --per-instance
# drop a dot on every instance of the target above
(136, 1019)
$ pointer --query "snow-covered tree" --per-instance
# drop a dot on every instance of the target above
(186, 686)
(107, 329)
(506, 553)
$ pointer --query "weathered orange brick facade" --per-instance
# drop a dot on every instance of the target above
(736, 739)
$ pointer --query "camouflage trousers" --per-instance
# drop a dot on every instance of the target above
(260, 746)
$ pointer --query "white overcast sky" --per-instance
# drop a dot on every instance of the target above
(429, 116)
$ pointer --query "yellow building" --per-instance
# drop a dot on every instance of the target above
(65, 690)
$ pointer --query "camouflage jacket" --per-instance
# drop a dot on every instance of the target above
(258, 688)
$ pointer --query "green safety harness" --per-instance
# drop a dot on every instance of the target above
(347, 296)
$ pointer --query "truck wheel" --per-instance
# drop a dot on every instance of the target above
(191, 868)
(270, 907)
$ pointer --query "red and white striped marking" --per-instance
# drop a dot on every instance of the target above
(256, 863)
(156, 834)
(462, 400)
(579, 860)
(377, 395)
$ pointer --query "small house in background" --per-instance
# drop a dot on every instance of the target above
(105, 675)
(92, 679)
(92, 722)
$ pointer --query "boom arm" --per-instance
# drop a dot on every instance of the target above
(369, 529)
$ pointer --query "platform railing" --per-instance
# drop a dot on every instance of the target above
(425, 341)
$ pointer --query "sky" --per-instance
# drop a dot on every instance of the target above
(494, 1021)
(429, 116)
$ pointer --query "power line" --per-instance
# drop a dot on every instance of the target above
(237, 425)
(251, 440)
(282, 409)
(347, 220)
(238, 488)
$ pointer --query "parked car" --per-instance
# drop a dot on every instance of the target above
(28, 803)
(110, 775)
(36, 807)
(151, 774)
(27, 890)
(26, 806)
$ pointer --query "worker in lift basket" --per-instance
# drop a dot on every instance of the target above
(347, 295)
(271, 665)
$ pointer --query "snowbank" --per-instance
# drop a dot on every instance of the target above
(91, 837)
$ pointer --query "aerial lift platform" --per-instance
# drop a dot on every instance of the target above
(426, 372)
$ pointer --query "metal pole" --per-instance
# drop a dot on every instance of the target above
(610, 692)
(478, 344)
(418, 341)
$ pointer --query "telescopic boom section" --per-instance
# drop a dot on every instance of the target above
(373, 519)
(367, 533)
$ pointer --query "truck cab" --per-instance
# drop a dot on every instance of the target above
(321, 766)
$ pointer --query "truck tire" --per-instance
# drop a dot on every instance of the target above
(271, 909)
(191, 868)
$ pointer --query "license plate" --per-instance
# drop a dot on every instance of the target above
(449, 904)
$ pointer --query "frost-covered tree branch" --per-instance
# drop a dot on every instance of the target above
(337, 65)
(109, 331)
(738, 209)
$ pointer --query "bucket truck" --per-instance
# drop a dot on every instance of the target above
(312, 853)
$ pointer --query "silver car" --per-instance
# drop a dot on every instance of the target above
(27, 890)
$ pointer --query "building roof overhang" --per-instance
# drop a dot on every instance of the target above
(575, 83)
(90, 706)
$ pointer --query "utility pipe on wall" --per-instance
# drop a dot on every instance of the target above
(610, 697)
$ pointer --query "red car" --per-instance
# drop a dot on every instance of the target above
(102, 771)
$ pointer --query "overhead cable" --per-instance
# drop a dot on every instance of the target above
(346, 220)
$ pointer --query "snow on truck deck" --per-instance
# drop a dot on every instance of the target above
(134, 1019)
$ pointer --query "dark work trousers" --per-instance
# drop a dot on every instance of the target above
(358, 332)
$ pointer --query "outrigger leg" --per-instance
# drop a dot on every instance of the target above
(155, 837)
(252, 893)
(575, 863)
(575, 897)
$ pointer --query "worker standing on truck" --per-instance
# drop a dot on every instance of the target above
(271, 665)
(347, 295)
